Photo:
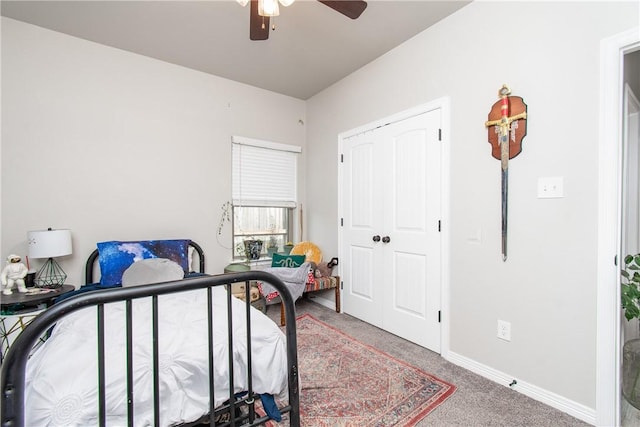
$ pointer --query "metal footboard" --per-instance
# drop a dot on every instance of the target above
(14, 366)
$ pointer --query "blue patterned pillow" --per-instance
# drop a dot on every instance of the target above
(115, 257)
(290, 261)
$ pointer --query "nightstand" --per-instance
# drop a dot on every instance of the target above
(257, 300)
(18, 310)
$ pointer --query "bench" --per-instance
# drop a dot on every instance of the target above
(321, 284)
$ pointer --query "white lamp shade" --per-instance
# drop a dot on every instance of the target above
(49, 243)
(268, 8)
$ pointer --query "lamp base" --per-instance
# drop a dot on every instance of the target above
(50, 275)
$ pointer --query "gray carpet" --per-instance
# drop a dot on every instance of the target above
(476, 402)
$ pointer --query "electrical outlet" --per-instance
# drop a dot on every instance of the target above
(504, 330)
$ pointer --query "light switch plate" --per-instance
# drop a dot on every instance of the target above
(550, 187)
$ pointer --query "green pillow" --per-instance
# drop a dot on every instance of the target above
(290, 261)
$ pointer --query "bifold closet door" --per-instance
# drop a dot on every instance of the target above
(391, 239)
(363, 200)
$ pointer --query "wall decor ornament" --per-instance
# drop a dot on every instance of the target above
(13, 273)
(507, 127)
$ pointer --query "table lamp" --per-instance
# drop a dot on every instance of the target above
(49, 244)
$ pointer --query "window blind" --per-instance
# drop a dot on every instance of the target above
(264, 173)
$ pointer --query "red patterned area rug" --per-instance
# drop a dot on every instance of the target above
(347, 383)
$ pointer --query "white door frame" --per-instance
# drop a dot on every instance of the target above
(612, 51)
(443, 105)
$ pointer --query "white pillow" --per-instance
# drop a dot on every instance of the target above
(190, 251)
(152, 270)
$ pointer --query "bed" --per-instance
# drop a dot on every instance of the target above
(154, 355)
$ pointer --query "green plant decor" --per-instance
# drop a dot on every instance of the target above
(630, 289)
(630, 295)
(227, 208)
(252, 249)
(273, 242)
(287, 247)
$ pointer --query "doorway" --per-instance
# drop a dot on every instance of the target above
(630, 235)
(610, 227)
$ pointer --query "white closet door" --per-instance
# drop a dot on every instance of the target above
(362, 218)
(412, 265)
(391, 191)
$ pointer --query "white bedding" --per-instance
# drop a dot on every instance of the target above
(62, 374)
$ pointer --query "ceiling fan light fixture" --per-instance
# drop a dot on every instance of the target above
(263, 13)
(268, 8)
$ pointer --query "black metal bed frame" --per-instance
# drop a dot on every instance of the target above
(14, 366)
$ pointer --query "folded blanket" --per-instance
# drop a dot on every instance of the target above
(295, 279)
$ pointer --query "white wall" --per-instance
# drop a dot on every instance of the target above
(117, 146)
(548, 52)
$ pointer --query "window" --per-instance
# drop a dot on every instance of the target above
(271, 225)
(264, 192)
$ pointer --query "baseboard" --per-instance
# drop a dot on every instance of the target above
(563, 404)
(325, 302)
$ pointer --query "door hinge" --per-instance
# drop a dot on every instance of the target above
(341, 285)
(341, 222)
(439, 226)
(439, 316)
(439, 134)
(615, 260)
(341, 158)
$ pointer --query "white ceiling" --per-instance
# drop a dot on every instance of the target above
(312, 47)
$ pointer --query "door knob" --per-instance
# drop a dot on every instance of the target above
(376, 238)
(386, 239)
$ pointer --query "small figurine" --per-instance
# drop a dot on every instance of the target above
(14, 272)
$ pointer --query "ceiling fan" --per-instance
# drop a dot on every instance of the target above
(262, 10)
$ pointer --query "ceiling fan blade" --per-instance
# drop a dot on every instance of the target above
(258, 25)
(351, 8)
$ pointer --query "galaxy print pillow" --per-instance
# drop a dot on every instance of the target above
(115, 257)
